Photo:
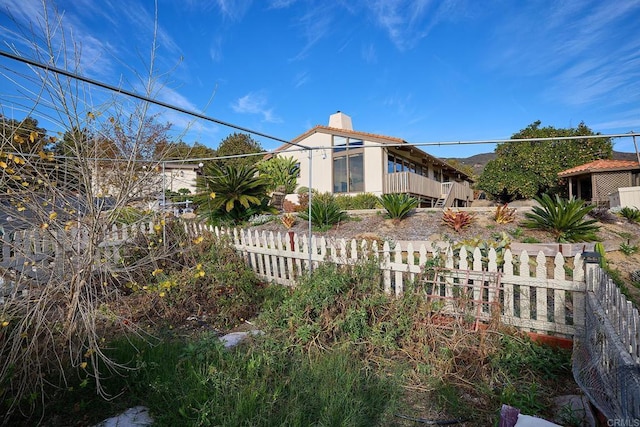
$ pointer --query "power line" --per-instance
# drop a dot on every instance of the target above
(290, 143)
(140, 97)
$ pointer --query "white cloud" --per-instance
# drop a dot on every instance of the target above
(281, 4)
(233, 9)
(408, 21)
(301, 79)
(314, 25)
(255, 103)
(369, 54)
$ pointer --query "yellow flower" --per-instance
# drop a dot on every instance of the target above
(212, 195)
(5, 324)
(89, 352)
(155, 272)
(53, 215)
(199, 267)
(201, 273)
(162, 294)
(157, 227)
(198, 240)
(83, 365)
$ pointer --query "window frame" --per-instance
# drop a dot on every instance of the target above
(352, 147)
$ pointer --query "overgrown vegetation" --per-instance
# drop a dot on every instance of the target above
(563, 218)
(398, 205)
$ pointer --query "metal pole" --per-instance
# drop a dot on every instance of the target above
(309, 207)
(636, 146)
(164, 205)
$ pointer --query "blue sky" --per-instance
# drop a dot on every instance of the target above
(424, 71)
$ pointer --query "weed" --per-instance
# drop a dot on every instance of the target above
(516, 233)
(530, 240)
(628, 249)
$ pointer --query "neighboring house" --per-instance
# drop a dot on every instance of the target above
(352, 162)
(145, 181)
(596, 181)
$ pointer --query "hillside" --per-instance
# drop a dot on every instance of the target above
(479, 161)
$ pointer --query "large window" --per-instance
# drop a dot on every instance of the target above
(348, 165)
(397, 163)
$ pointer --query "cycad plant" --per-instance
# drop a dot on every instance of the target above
(631, 214)
(564, 218)
(231, 193)
(325, 212)
(397, 205)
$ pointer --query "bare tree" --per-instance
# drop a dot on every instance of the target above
(60, 286)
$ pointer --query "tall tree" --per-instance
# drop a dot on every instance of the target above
(182, 151)
(239, 143)
(526, 169)
(25, 162)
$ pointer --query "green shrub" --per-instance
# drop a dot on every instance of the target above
(325, 212)
(359, 201)
(398, 205)
(563, 218)
(631, 214)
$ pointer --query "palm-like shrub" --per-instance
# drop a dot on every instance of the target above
(564, 218)
(397, 205)
(631, 214)
(325, 212)
(231, 193)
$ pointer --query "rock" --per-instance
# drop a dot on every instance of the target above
(234, 338)
(133, 417)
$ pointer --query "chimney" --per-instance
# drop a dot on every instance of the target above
(340, 120)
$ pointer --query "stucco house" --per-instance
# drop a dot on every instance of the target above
(145, 181)
(605, 182)
(346, 161)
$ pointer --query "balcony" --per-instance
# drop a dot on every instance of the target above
(418, 185)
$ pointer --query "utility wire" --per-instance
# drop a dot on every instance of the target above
(301, 146)
(140, 97)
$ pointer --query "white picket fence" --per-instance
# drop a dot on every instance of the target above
(532, 292)
(528, 294)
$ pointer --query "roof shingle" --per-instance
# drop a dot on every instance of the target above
(600, 166)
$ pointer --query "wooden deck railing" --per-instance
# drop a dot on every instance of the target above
(408, 182)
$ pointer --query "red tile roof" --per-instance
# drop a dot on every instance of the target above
(600, 166)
